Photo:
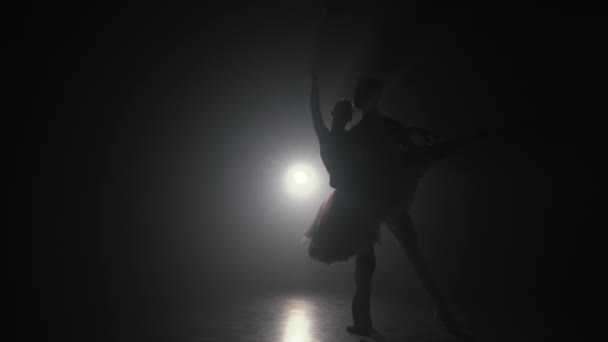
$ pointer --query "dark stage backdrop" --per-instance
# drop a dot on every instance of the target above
(159, 135)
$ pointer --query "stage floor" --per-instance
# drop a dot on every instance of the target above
(314, 318)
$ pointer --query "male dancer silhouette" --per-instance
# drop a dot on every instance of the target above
(392, 168)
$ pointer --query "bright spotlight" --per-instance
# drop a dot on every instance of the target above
(300, 180)
(300, 177)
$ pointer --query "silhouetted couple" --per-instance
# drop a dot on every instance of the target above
(374, 168)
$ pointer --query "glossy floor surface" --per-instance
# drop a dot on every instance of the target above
(305, 318)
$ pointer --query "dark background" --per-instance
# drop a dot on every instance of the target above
(157, 137)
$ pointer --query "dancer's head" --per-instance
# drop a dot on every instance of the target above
(367, 93)
(341, 114)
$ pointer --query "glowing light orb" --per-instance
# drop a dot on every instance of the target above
(300, 180)
(300, 177)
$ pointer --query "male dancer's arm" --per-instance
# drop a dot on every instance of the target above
(423, 132)
(315, 109)
(443, 149)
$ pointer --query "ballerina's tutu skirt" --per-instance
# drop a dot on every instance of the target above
(345, 225)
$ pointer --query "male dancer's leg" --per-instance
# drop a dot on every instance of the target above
(365, 264)
(403, 229)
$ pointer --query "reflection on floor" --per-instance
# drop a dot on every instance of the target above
(305, 318)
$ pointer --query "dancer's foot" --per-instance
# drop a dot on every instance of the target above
(359, 331)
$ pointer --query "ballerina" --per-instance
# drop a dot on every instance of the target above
(347, 223)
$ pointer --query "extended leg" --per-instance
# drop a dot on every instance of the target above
(406, 235)
(404, 231)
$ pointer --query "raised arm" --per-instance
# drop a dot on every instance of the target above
(315, 109)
